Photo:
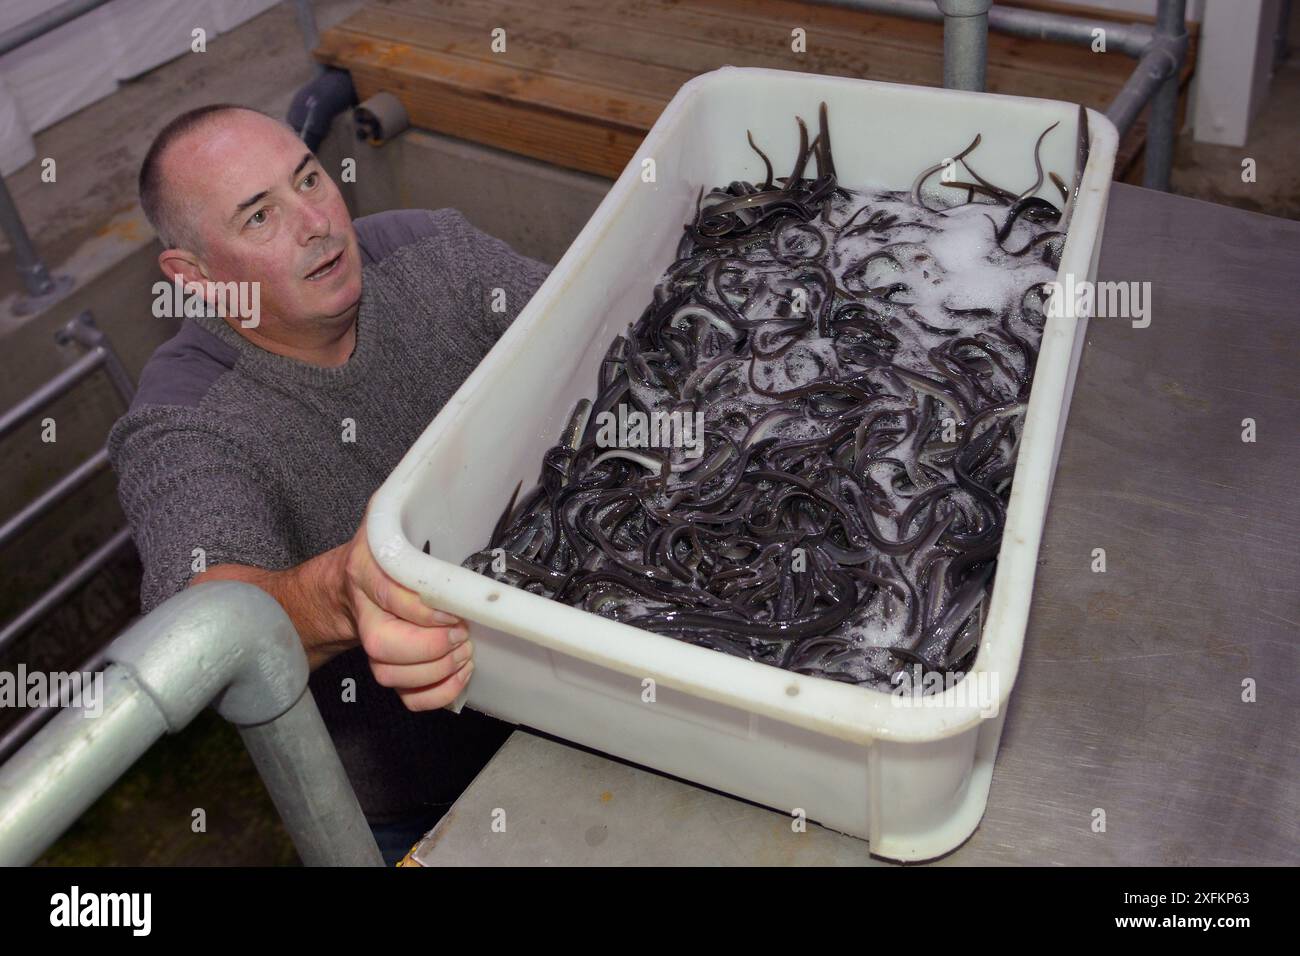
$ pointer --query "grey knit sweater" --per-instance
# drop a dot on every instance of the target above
(244, 454)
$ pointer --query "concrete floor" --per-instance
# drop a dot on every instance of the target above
(1213, 173)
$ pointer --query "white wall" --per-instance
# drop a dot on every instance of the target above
(1234, 68)
(1234, 62)
(82, 61)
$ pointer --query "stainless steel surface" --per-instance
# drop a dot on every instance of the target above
(1129, 698)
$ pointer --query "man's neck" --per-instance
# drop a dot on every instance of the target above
(329, 349)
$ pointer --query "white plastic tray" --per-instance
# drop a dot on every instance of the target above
(912, 780)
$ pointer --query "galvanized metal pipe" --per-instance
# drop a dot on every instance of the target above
(1161, 50)
(37, 717)
(310, 789)
(53, 495)
(43, 23)
(52, 389)
(63, 588)
(1162, 127)
(965, 43)
(222, 641)
(1127, 38)
(31, 269)
(83, 330)
(55, 778)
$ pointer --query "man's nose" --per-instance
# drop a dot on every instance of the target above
(313, 222)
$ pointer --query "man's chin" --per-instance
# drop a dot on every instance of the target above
(338, 302)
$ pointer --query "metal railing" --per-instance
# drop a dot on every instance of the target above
(223, 642)
(41, 287)
(100, 355)
(1160, 50)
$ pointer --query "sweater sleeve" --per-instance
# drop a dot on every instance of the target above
(493, 281)
(192, 500)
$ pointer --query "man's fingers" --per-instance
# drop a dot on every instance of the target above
(395, 598)
(439, 695)
(422, 675)
(389, 640)
(402, 602)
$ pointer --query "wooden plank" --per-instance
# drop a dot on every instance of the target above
(704, 35)
(582, 81)
(555, 137)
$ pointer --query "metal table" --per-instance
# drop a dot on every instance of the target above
(1130, 694)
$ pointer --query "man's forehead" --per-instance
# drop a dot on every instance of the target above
(236, 150)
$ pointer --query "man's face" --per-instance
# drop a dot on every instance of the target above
(264, 210)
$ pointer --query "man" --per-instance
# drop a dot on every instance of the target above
(256, 440)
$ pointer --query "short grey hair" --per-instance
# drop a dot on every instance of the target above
(166, 215)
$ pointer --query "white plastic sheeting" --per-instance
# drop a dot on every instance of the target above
(82, 61)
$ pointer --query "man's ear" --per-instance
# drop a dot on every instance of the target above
(183, 263)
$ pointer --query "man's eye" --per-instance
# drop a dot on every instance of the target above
(257, 218)
(310, 181)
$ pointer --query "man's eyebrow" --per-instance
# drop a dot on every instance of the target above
(253, 200)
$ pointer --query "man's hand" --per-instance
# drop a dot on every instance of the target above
(423, 654)
(343, 597)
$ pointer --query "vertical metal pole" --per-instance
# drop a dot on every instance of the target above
(310, 35)
(83, 330)
(36, 278)
(965, 43)
(1282, 40)
(225, 642)
(1162, 130)
(310, 789)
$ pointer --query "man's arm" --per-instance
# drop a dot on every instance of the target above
(185, 494)
(343, 597)
(311, 594)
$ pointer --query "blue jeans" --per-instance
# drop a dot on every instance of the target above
(396, 839)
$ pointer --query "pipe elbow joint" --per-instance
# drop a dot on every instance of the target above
(964, 8)
(221, 641)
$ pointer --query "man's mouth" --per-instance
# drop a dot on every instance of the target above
(329, 267)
